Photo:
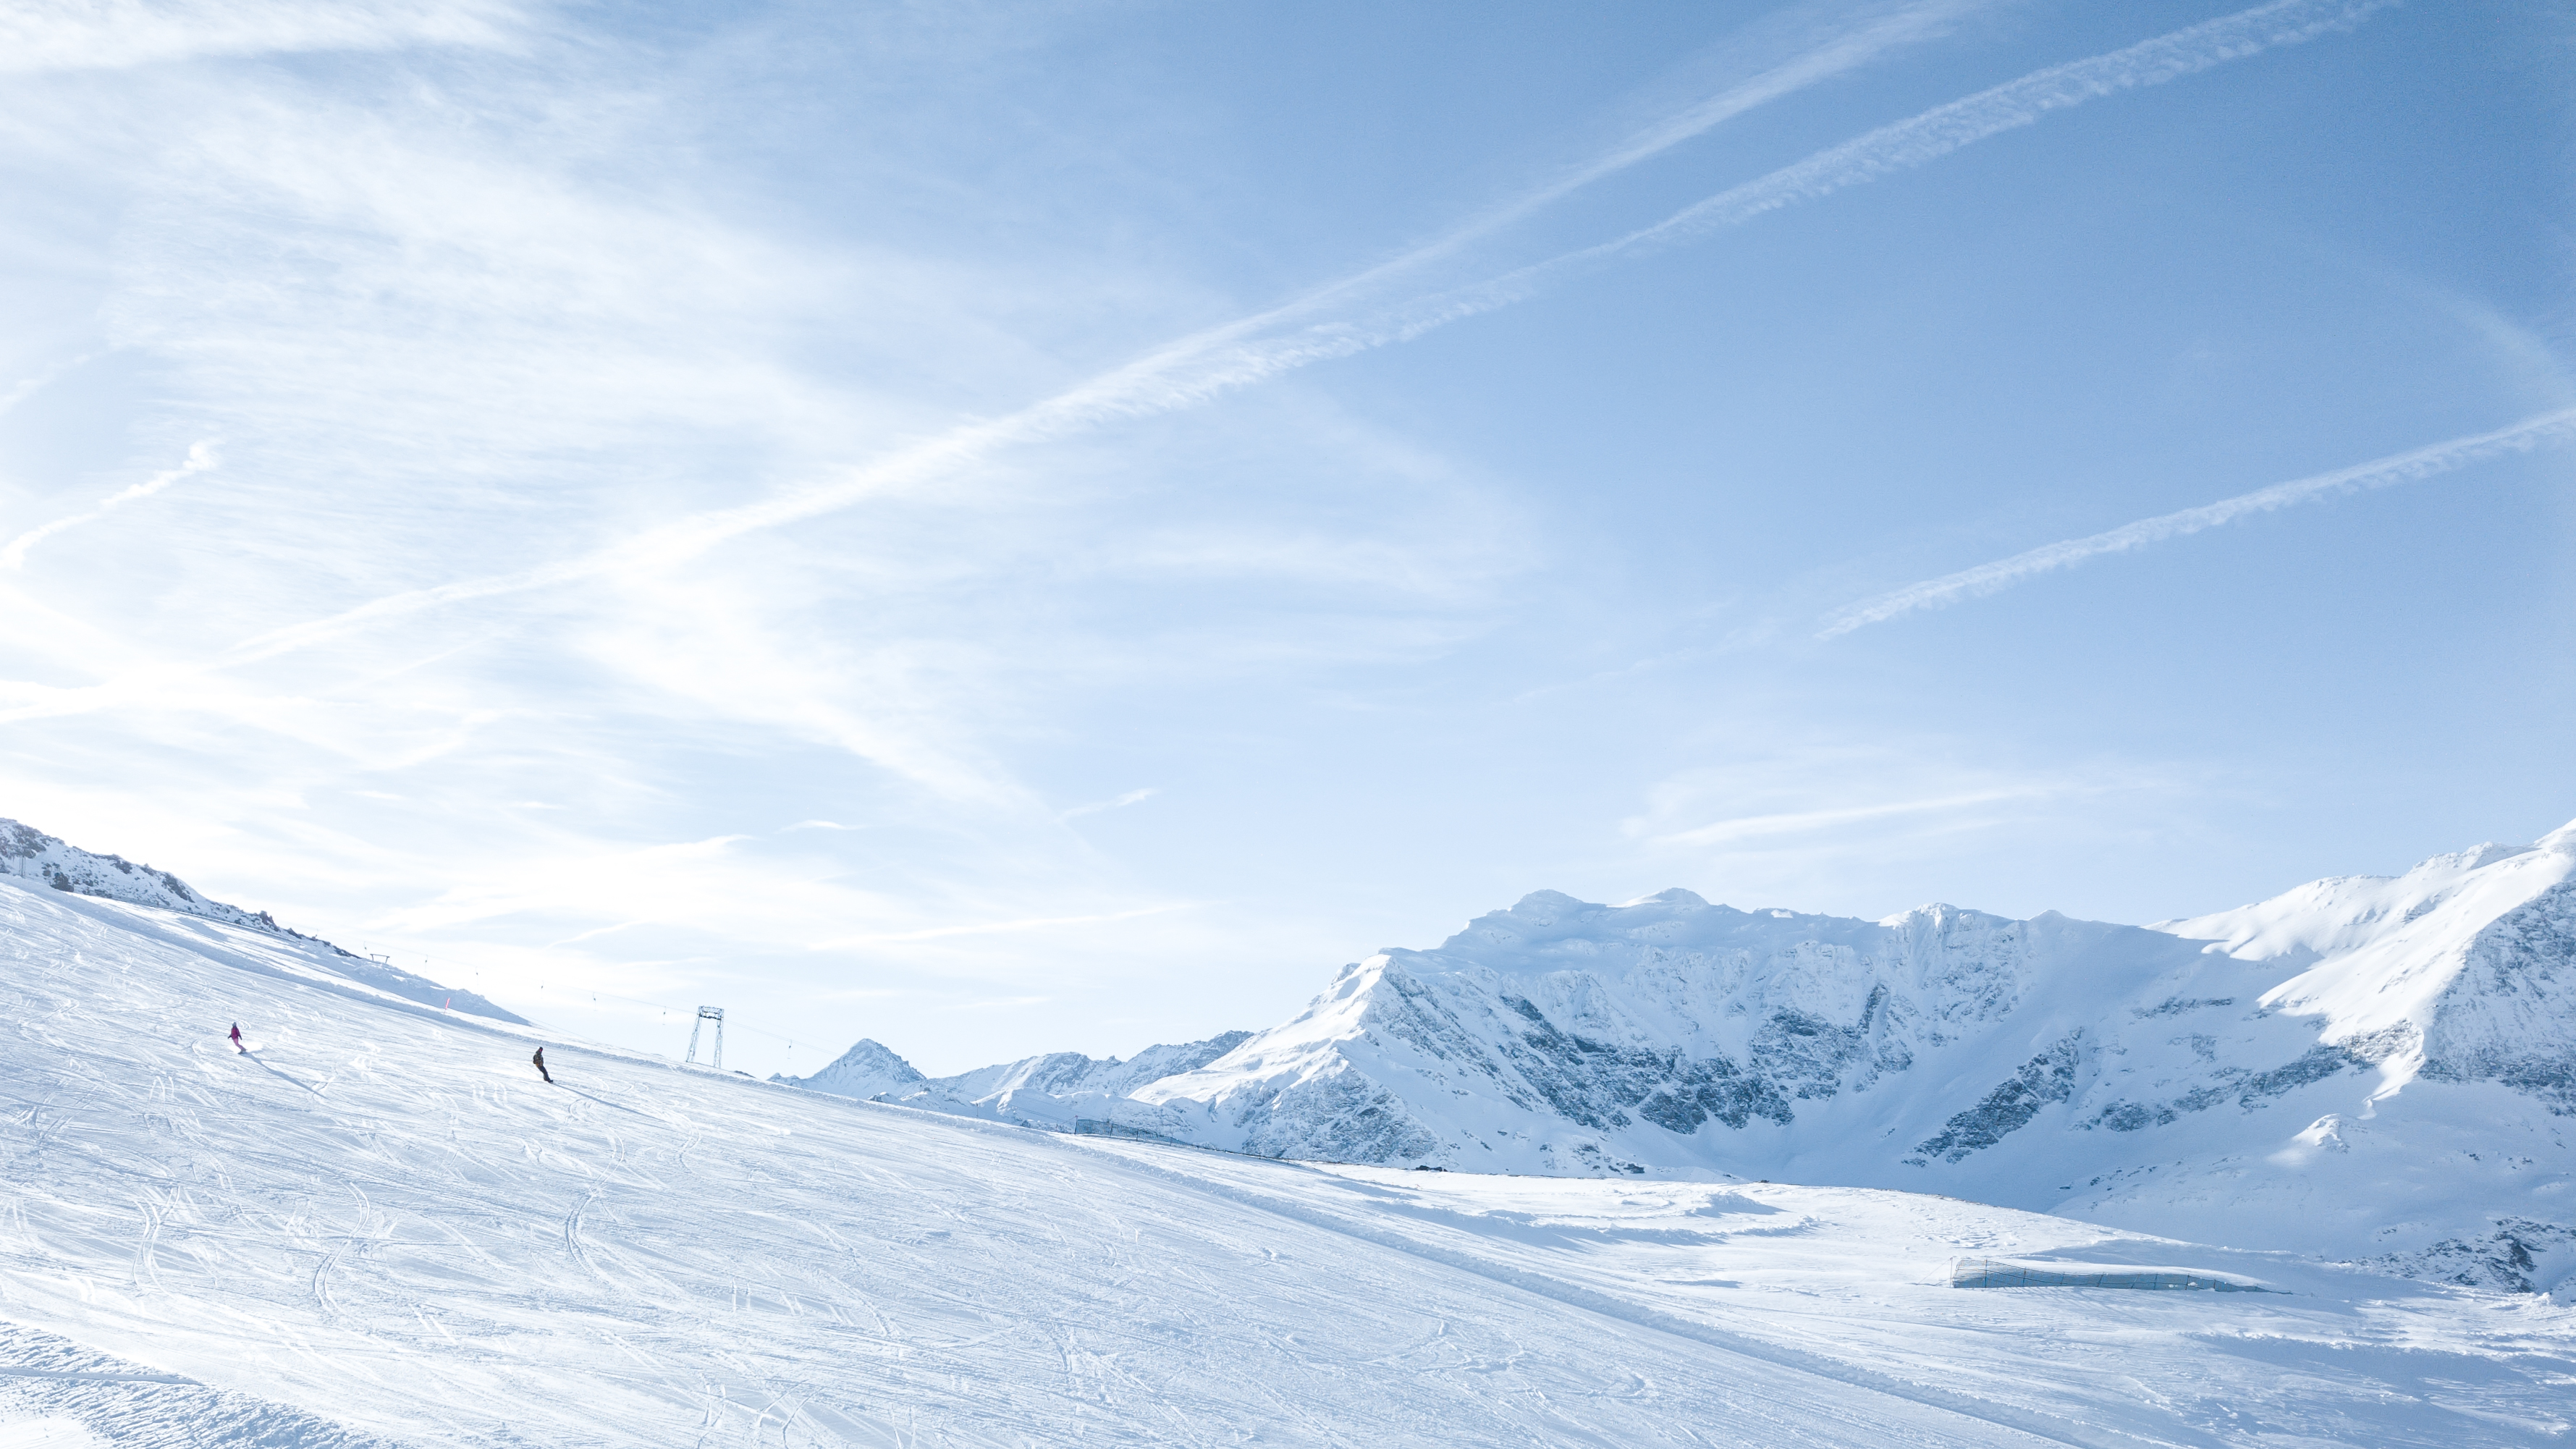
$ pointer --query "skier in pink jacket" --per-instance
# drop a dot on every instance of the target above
(237, 1046)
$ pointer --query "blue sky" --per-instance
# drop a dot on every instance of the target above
(1005, 528)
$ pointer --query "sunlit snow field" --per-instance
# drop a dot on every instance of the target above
(383, 1225)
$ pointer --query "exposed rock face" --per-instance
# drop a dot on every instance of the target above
(2046, 1078)
(2520, 1255)
(2506, 1016)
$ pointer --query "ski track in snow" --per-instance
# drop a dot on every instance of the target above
(383, 1228)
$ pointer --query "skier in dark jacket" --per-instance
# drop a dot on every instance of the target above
(237, 1046)
(540, 1060)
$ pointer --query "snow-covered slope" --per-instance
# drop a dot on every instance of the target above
(57, 1394)
(2461, 970)
(2364, 1068)
(383, 1226)
(33, 858)
(2455, 986)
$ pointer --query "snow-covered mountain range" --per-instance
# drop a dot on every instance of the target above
(380, 1227)
(2377, 1068)
(1064, 1091)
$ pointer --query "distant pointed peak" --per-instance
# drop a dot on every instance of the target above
(869, 1052)
(1674, 897)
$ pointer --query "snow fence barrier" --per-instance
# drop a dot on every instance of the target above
(2000, 1273)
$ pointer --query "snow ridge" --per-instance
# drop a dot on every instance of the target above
(31, 854)
(36, 859)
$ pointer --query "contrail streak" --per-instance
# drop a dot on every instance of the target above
(201, 456)
(2426, 462)
(1907, 25)
(1944, 129)
(1208, 364)
(1222, 361)
(1898, 147)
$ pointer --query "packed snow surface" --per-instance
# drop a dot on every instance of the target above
(380, 1226)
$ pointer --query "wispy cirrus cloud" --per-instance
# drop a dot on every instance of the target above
(2432, 460)
(27, 387)
(999, 928)
(1184, 372)
(1802, 822)
(1117, 802)
(711, 884)
(446, 224)
(1205, 365)
(457, 284)
(1862, 822)
(42, 35)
